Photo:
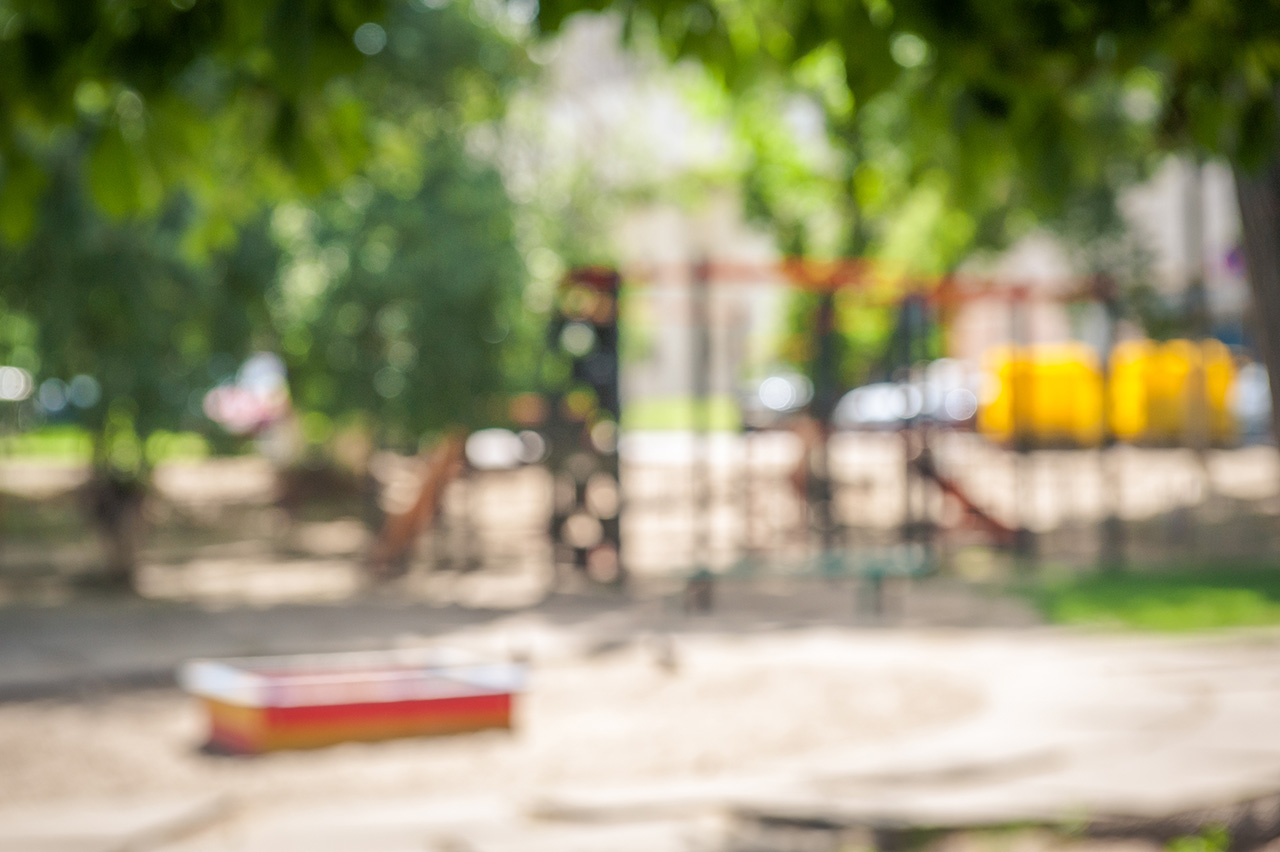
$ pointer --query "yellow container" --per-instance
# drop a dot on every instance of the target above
(1047, 394)
(1173, 393)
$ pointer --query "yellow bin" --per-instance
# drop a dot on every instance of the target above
(1172, 393)
(1048, 394)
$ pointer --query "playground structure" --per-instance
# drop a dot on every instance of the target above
(1032, 446)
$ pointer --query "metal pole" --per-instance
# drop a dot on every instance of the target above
(737, 360)
(1020, 380)
(1111, 554)
(909, 449)
(825, 397)
(749, 538)
(700, 331)
(1196, 425)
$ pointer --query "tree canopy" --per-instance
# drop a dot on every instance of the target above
(380, 284)
(229, 100)
(394, 306)
(1210, 66)
(1034, 108)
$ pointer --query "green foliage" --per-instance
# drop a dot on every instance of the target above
(865, 130)
(397, 301)
(230, 101)
(954, 127)
(155, 269)
(1172, 599)
(120, 302)
(913, 174)
(394, 308)
(864, 333)
(1208, 70)
(1216, 838)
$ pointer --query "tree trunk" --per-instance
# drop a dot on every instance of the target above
(1258, 194)
(115, 504)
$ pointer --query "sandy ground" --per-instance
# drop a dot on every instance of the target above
(635, 712)
(641, 727)
(629, 693)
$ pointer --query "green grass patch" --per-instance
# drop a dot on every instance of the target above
(176, 446)
(674, 412)
(69, 444)
(74, 445)
(1176, 598)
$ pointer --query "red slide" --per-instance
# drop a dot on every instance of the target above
(924, 464)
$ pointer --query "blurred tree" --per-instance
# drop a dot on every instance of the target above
(229, 100)
(400, 291)
(887, 180)
(398, 307)
(148, 270)
(126, 332)
(1007, 90)
(394, 308)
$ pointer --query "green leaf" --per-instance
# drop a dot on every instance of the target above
(24, 182)
(114, 175)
